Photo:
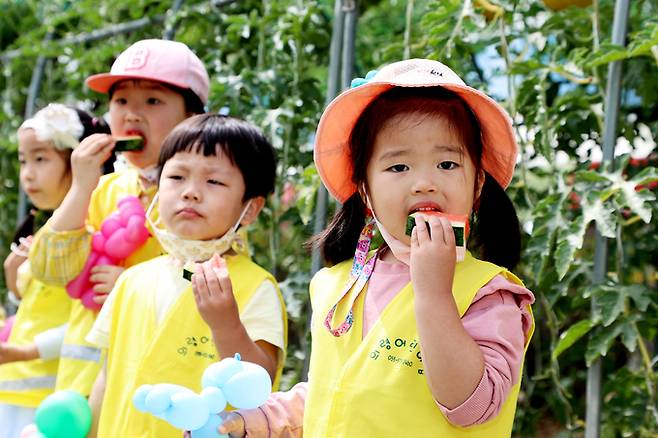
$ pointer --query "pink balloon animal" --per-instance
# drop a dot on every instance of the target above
(121, 233)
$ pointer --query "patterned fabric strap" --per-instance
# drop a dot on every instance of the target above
(359, 276)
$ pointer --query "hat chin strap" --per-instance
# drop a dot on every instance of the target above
(400, 250)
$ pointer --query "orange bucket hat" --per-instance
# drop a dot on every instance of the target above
(332, 152)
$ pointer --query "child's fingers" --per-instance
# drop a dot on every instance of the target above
(414, 237)
(421, 230)
(233, 424)
(212, 279)
(199, 280)
(448, 233)
(102, 288)
(436, 227)
(100, 298)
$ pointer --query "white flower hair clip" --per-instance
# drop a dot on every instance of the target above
(57, 123)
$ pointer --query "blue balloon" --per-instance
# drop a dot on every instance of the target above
(188, 411)
(158, 400)
(139, 398)
(248, 389)
(209, 430)
(215, 399)
(218, 373)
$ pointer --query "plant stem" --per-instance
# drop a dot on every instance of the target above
(407, 30)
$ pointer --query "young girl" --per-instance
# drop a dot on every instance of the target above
(153, 85)
(407, 340)
(45, 143)
(159, 326)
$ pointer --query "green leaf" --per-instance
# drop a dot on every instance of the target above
(571, 335)
(599, 344)
(570, 239)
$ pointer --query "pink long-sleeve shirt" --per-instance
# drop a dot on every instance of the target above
(497, 320)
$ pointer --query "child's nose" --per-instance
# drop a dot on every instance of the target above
(424, 185)
(191, 193)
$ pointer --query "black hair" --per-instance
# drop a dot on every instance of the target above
(95, 125)
(193, 103)
(243, 143)
(495, 233)
(91, 125)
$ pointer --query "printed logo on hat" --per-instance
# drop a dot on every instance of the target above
(137, 58)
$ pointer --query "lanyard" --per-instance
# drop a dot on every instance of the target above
(362, 268)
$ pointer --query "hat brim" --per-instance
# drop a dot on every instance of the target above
(331, 152)
(104, 81)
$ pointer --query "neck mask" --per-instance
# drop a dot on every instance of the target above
(185, 251)
(400, 250)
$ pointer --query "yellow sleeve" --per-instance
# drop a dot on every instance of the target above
(57, 257)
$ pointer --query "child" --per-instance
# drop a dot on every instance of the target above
(153, 85)
(159, 326)
(435, 347)
(45, 143)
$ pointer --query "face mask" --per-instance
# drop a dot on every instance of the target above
(400, 250)
(149, 174)
(186, 251)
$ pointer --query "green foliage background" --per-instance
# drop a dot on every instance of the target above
(268, 63)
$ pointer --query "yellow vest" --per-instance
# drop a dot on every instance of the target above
(375, 387)
(178, 350)
(81, 361)
(43, 307)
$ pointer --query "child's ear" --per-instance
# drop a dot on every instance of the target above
(479, 183)
(255, 206)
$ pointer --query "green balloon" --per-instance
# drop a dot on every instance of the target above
(64, 414)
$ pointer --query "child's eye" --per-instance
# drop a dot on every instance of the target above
(175, 177)
(120, 101)
(398, 168)
(153, 101)
(215, 182)
(447, 165)
(22, 162)
(39, 159)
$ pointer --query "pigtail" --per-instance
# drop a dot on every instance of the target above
(96, 125)
(338, 241)
(496, 231)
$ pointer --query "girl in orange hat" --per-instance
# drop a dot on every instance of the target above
(413, 338)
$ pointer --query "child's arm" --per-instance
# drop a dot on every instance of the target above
(453, 362)
(282, 416)
(14, 260)
(214, 298)
(86, 166)
(96, 401)
(46, 346)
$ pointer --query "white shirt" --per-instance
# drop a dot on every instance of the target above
(261, 316)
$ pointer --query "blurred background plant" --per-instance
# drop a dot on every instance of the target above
(545, 61)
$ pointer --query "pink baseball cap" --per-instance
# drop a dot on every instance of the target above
(165, 61)
(332, 155)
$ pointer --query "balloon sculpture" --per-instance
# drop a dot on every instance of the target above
(5, 330)
(121, 234)
(244, 385)
(64, 414)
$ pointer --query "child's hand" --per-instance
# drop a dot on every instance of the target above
(213, 293)
(104, 277)
(88, 158)
(15, 353)
(233, 425)
(433, 255)
(16, 257)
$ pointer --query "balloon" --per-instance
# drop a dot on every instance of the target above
(218, 373)
(6, 328)
(64, 414)
(243, 384)
(188, 411)
(209, 430)
(214, 398)
(121, 234)
(249, 388)
(158, 399)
